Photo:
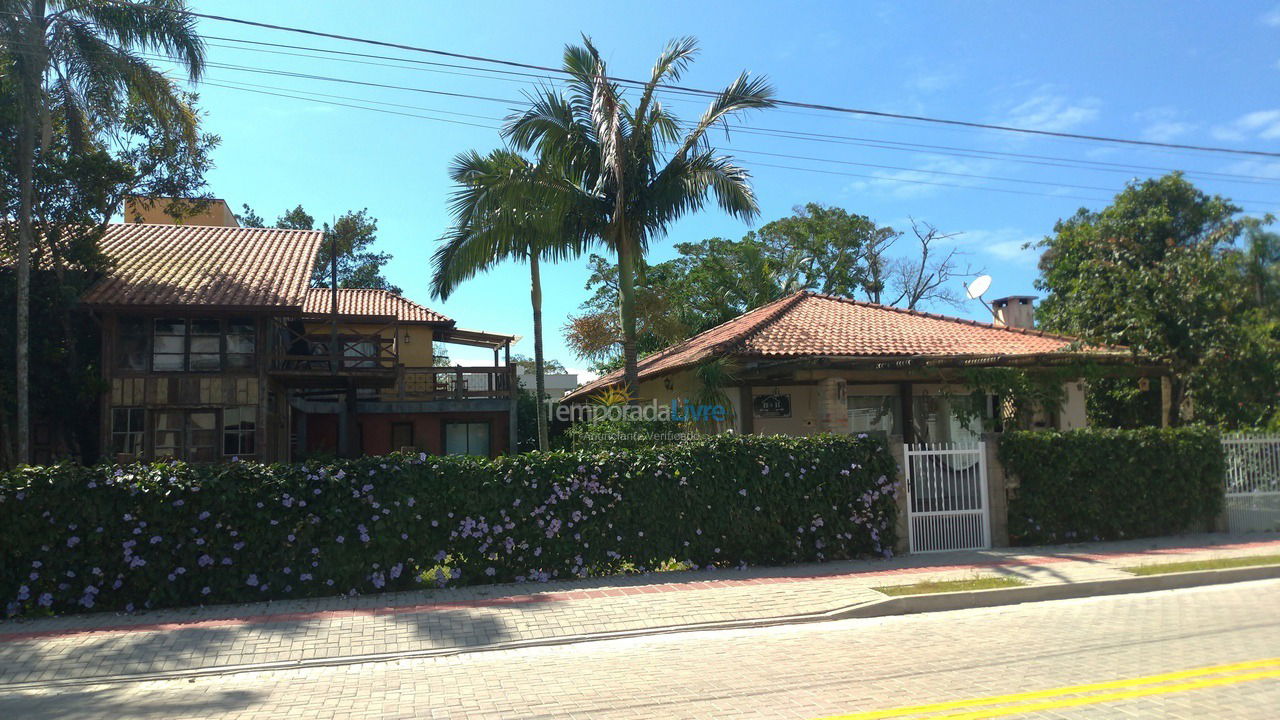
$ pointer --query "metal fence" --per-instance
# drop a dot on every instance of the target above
(1253, 482)
(947, 505)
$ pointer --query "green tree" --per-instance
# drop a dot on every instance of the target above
(78, 59)
(353, 234)
(1159, 270)
(633, 169)
(501, 212)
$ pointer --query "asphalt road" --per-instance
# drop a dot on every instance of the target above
(1202, 653)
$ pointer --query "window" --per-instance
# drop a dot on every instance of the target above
(127, 427)
(169, 346)
(206, 345)
(401, 435)
(241, 341)
(131, 344)
(238, 425)
(874, 413)
(186, 435)
(196, 345)
(466, 438)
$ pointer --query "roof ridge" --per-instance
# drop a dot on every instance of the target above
(950, 318)
(211, 227)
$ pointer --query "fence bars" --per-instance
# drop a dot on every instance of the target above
(1252, 482)
(947, 496)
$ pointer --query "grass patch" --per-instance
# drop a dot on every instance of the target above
(1189, 566)
(936, 586)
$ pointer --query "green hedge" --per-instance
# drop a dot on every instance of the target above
(1100, 484)
(175, 534)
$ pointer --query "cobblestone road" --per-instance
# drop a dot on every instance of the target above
(849, 668)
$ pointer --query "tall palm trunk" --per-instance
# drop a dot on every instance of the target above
(627, 315)
(539, 381)
(26, 240)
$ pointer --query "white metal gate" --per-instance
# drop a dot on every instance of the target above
(947, 496)
(1253, 482)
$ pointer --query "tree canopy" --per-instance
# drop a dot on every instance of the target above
(1178, 276)
(354, 234)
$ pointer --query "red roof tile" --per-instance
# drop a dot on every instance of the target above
(808, 324)
(371, 303)
(205, 266)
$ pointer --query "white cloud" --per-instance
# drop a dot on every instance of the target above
(1052, 112)
(1162, 124)
(1260, 124)
(931, 81)
(920, 182)
(584, 375)
(1272, 18)
(1003, 245)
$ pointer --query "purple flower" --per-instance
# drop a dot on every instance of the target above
(340, 539)
(45, 600)
(205, 590)
(490, 571)
(252, 581)
(73, 541)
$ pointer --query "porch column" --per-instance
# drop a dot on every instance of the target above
(746, 410)
(906, 407)
(513, 391)
(833, 407)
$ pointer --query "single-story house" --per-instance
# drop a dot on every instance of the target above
(811, 363)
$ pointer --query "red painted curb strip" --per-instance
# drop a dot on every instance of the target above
(570, 595)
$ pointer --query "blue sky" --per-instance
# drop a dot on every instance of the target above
(1186, 72)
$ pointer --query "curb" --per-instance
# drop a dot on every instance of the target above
(886, 607)
(938, 602)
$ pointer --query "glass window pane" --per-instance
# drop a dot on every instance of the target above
(131, 344)
(205, 344)
(167, 362)
(455, 439)
(240, 343)
(205, 326)
(170, 326)
(169, 344)
(205, 362)
(478, 439)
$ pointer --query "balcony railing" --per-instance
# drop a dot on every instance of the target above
(347, 351)
(451, 383)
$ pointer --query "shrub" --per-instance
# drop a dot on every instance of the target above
(174, 534)
(605, 435)
(1099, 484)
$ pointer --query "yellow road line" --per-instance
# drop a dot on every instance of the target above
(1109, 697)
(1057, 692)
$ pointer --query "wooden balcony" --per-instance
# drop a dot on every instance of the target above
(341, 356)
(451, 383)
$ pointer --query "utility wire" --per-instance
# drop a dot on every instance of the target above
(986, 188)
(787, 103)
(877, 143)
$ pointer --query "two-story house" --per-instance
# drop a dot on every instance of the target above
(214, 347)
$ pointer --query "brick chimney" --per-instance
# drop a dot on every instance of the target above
(1015, 311)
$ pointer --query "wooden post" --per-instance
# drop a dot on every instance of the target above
(747, 409)
(907, 409)
(514, 399)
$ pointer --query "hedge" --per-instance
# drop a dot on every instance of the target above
(1100, 484)
(158, 535)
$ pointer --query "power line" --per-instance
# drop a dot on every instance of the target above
(783, 167)
(788, 103)
(876, 143)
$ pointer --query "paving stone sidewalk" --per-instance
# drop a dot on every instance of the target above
(103, 645)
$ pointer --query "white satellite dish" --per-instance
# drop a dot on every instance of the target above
(980, 285)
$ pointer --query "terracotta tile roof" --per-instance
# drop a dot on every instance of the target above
(809, 324)
(206, 266)
(371, 303)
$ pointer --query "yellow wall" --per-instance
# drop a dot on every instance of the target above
(413, 346)
(217, 214)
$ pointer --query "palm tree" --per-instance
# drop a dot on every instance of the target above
(634, 169)
(79, 59)
(506, 208)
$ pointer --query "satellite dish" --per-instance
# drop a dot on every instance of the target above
(979, 286)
